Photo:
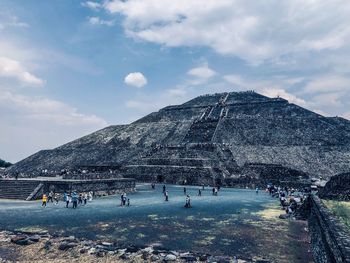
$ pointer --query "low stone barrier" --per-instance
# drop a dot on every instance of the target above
(106, 186)
(28, 189)
(330, 238)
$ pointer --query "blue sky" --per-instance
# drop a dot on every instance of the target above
(68, 68)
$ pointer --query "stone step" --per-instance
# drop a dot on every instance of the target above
(16, 189)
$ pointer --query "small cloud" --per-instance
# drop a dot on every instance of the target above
(235, 80)
(275, 92)
(140, 105)
(203, 72)
(8, 20)
(136, 79)
(14, 69)
(177, 92)
(346, 115)
(327, 84)
(47, 110)
(94, 20)
(92, 5)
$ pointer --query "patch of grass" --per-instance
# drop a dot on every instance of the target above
(340, 209)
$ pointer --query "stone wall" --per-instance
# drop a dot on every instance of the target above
(107, 186)
(330, 239)
(337, 188)
(30, 189)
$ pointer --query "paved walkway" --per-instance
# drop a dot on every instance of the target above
(227, 224)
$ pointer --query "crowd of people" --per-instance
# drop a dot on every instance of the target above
(289, 198)
(68, 198)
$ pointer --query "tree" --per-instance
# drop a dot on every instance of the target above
(4, 163)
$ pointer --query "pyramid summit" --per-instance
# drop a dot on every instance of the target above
(229, 138)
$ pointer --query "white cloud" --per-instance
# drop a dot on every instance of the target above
(92, 5)
(202, 72)
(14, 69)
(7, 20)
(328, 83)
(177, 92)
(136, 79)
(36, 123)
(279, 92)
(346, 115)
(251, 30)
(94, 20)
(47, 110)
(141, 105)
(274, 87)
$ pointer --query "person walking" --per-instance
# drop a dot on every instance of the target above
(50, 197)
(85, 198)
(121, 199)
(56, 198)
(257, 190)
(215, 191)
(166, 196)
(199, 192)
(90, 196)
(188, 202)
(44, 200)
(164, 189)
(124, 199)
(75, 200)
(80, 199)
(66, 199)
(128, 202)
(185, 191)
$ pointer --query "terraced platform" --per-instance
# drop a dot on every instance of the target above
(212, 138)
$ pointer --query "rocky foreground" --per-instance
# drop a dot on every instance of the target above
(40, 246)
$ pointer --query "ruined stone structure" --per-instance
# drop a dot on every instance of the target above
(329, 238)
(29, 189)
(235, 138)
(337, 188)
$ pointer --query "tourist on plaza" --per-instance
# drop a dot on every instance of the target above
(164, 189)
(50, 197)
(153, 186)
(56, 198)
(90, 196)
(213, 190)
(188, 201)
(66, 198)
(166, 196)
(75, 200)
(44, 200)
(124, 198)
(185, 190)
(257, 190)
(85, 198)
(199, 192)
(69, 199)
(121, 199)
(128, 202)
(80, 199)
